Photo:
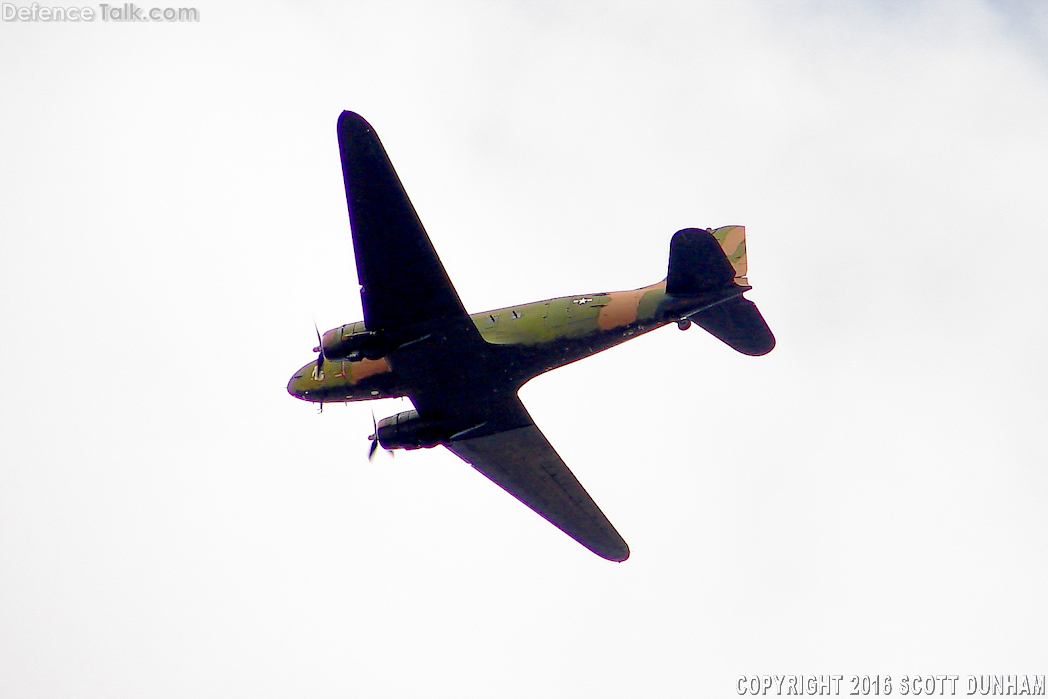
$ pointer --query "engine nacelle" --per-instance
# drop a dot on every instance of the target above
(353, 342)
(409, 431)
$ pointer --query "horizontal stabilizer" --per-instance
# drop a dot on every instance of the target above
(698, 265)
(738, 324)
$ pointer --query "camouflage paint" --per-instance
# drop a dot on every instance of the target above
(342, 381)
(532, 338)
(732, 240)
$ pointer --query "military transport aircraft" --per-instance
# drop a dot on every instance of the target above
(462, 372)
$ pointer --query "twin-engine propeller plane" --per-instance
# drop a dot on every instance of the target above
(462, 372)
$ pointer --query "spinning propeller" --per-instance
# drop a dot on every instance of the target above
(373, 438)
(319, 349)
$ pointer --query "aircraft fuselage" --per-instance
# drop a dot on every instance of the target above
(462, 372)
(520, 342)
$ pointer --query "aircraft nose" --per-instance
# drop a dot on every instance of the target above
(297, 386)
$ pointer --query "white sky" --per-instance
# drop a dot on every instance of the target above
(870, 498)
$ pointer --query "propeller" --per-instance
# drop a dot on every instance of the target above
(319, 348)
(374, 437)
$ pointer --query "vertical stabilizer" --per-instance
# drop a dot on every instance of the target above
(732, 240)
(702, 260)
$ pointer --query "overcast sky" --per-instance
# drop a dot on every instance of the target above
(870, 498)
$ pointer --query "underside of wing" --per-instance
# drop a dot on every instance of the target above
(402, 280)
(524, 464)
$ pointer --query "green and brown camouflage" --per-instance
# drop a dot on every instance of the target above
(463, 372)
(530, 338)
(732, 240)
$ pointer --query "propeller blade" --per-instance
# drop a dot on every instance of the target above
(374, 437)
(319, 348)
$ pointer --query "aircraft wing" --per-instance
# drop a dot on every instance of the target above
(402, 280)
(403, 284)
(524, 464)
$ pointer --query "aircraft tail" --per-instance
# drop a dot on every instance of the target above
(698, 264)
(702, 261)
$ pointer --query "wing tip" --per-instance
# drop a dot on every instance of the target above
(351, 121)
(614, 550)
